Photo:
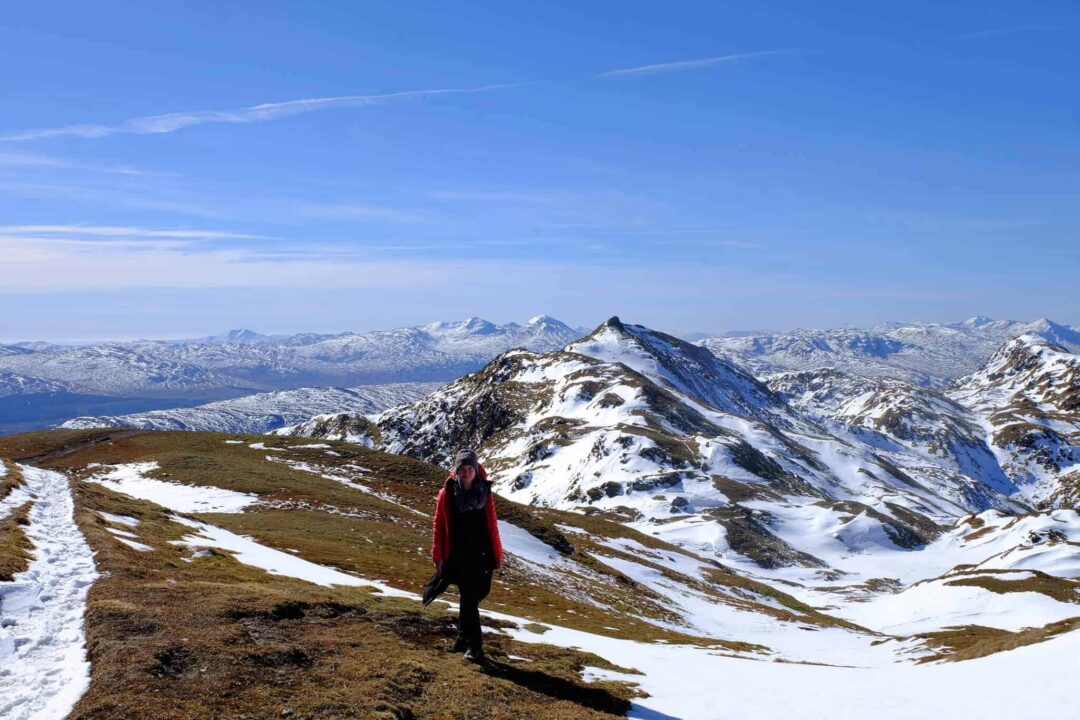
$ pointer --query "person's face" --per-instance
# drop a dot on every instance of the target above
(466, 473)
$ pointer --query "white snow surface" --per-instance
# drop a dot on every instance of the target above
(43, 664)
(934, 605)
(130, 479)
(135, 545)
(119, 519)
(702, 684)
(522, 545)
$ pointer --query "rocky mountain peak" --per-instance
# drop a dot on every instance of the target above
(677, 365)
(542, 320)
(1022, 354)
(1056, 333)
(978, 321)
(612, 323)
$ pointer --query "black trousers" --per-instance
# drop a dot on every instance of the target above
(474, 584)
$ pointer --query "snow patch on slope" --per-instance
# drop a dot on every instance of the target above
(130, 479)
(275, 562)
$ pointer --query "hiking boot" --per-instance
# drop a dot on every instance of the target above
(475, 655)
(460, 645)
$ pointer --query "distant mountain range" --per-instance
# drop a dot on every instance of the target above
(42, 384)
(921, 353)
(263, 412)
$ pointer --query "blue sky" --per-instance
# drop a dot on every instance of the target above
(176, 171)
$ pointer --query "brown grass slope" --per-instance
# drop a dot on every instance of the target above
(11, 479)
(15, 547)
(214, 638)
(975, 641)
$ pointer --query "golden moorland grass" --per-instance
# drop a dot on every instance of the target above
(975, 641)
(213, 638)
(1061, 589)
(11, 478)
(15, 547)
(386, 536)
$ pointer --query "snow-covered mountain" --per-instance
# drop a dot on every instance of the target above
(920, 353)
(678, 366)
(1028, 399)
(156, 374)
(15, 384)
(245, 361)
(1015, 421)
(676, 516)
(135, 369)
(264, 412)
(691, 448)
(886, 411)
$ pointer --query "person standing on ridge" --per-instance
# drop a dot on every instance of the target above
(465, 545)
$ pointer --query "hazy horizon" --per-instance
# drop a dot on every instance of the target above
(691, 335)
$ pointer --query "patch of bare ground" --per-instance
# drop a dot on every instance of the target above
(15, 547)
(11, 479)
(975, 641)
(1061, 589)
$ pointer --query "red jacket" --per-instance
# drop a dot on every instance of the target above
(440, 536)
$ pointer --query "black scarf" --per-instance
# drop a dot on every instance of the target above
(472, 499)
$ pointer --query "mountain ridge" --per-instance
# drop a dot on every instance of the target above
(922, 353)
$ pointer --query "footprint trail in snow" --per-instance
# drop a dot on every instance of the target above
(43, 665)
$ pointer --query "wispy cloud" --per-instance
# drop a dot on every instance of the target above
(495, 196)
(20, 160)
(1010, 30)
(693, 64)
(356, 211)
(171, 122)
(121, 232)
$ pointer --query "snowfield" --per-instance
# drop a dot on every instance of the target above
(694, 683)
